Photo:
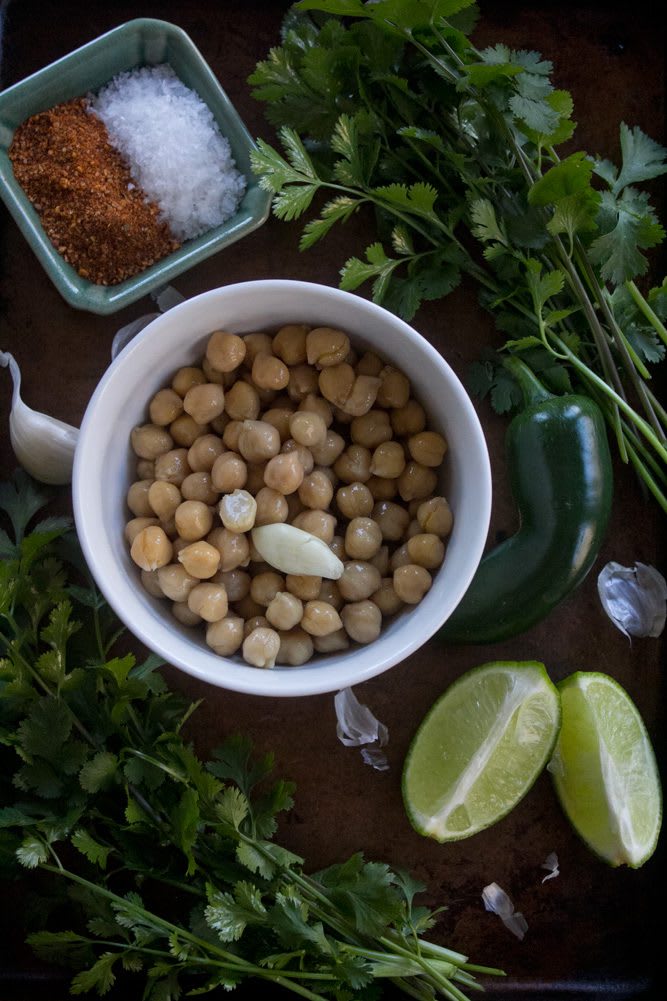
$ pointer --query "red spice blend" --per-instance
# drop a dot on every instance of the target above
(89, 206)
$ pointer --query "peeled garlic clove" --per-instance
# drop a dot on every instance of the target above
(291, 550)
(43, 445)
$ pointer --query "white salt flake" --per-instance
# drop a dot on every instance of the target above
(497, 901)
(634, 598)
(357, 726)
(551, 863)
(173, 146)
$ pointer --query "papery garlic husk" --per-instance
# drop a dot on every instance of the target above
(43, 445)
(498, 902)
(291, 550)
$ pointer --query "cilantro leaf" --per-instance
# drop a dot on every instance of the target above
(643, 158)
(96, 853)
(629, 225)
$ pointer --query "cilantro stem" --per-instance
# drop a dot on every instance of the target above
(647, 311)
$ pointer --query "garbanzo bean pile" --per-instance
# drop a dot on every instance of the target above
(293, 428)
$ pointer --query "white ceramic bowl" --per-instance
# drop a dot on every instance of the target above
(103, 470)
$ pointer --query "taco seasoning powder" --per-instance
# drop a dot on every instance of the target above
(91, 210)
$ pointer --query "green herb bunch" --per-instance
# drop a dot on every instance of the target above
(389, 105)
(170, 865)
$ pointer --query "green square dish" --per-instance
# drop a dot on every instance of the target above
(142, 42)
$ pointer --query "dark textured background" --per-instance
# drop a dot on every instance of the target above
(592, 931)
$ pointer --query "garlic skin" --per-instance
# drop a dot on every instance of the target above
(43, 445)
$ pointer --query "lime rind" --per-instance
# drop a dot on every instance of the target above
(480, 749)
(604, 770)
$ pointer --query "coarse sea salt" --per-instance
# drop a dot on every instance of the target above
(173, 147)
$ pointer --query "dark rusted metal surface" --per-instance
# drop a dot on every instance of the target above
(592, 931)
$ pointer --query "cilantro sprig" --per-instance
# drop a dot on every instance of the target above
(170, 863)
(390, 109)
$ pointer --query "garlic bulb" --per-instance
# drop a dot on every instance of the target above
(43, 445)
(292, 550)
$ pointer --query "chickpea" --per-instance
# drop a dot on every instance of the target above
(290, 343)
(279, 418)
(386, 598)
(198, 486)
(369, 364)
(411, 583)
(255, 480)
(394, 391)
(416, 482)
(388, 460)
(381, 560)
(265, 586)
(399, 558)
(330, 449)
(145, 469)
(229, 472)
(261, 647)
(303, 382)
(177, 545)
(231, 434)
(326, 347)
(358, 581)
(329, 473)
(409, 419)
(172, 467)
(427, 447)
(175, 582)
(257, 343)
(165, 407)
(151, 584)
(296, 647)
(308, 428)
(186, 378)
(335, 383)
(284, 611)
(382, 488)
(337, 547)
(426, 550)
(303, 586)
(209, 601)
(284, 473)
(354, 500)
(203, 452)
(354, 465)
(362, 621)
(224, 351)
(169, 527)
(371, 429)
(313, 404)
(333, 643)
(136, 525)
(226, 635)
(151, 548)
(138, 500)
(363, 395)
(269, 372)
(363, 538)
(392, 519)
(218, 424)
(185, 430)
(248, 609)
(271, 507)
(212, 374)
(200, 559)
(184, 614)
(320, 618)
(193, 520)
(242, 402)
(204, 402)
(294, 507)
(304, 454)
(435, 515)
(150, 441)
(318, 523)
(414, 528)
(237, 511)
(258, 441)
(256, 622)
(330, 593)
(316, 491)
(235, 582)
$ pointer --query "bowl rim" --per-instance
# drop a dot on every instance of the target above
(108, 299)
(114, 582)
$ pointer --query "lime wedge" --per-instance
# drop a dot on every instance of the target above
(479, 749)
(605, 772)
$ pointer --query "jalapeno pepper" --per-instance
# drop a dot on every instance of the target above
(561, 481)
